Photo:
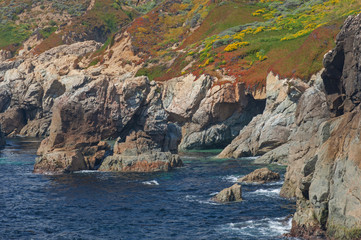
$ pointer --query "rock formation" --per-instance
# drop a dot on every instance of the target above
(210, 114)
(231, 194)
(315, 129)
(273, 128)
(261, 175)
(130, 109)
(328, 189)
(29, 87)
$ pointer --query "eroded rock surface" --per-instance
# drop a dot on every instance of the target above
(210, 114)
(271, 129)
(29, 87)
(326, 176)
(262, 175)
(231, 194)
(130, 109)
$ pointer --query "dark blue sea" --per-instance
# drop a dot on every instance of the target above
(172, 205)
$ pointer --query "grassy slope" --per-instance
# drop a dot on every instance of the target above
(19, 19)
(287, 39)
(242, 38)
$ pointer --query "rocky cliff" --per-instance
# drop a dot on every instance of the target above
(329, 187)
(314, 128)
(211, 114)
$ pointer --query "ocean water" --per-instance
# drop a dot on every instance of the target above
(172, 205)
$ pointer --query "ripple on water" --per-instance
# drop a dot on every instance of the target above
(267, 227)
(152, 182)
(99, 205)
(231, 178)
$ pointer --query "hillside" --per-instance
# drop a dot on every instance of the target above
(239, 38)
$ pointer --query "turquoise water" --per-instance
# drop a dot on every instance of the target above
(172, 205)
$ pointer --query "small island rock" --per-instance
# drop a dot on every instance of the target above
(231, 194)
(261, 175)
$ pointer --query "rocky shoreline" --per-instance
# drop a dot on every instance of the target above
(317, 136)
(312, 126)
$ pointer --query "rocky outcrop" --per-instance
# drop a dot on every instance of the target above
(272, 128)
(261, 175)
(211, 114)
(327, 175)
(130, 109)
(231, 194)
(29, 87)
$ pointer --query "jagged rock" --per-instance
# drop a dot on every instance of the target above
(28, 88)
(231, 194)
(311, 112)
(131, 110)
(211, 114)
(326, 174)
(12, 121)
(342, 74)
(273, 128)
(261, 175)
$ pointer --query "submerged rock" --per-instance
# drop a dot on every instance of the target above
(261, 175)
(231, 194)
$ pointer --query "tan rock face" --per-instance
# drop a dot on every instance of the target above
(211, 115)
(30, 87)
(231, 194)
(261, 175)
(131, 110)
(273, 128)
(151, 161)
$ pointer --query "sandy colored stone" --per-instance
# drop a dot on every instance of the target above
(231, 194)
(262, 175)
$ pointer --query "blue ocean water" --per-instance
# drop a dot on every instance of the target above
(172, 205)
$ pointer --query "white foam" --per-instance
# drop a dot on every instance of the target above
(231, 178)
(193, 198)
(279, 183)
(266, 227)
(152, 182)
(213, 193)
(250, 158)
(268, 191)
(87, 171)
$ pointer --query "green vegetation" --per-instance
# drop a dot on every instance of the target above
(46, 32)
(152, 72)
(12, 34)
(242, 38)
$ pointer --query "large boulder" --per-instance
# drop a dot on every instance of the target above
(262, 175)
(231, 194)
